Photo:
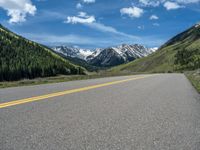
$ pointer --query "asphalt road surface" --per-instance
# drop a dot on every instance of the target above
(158, 112)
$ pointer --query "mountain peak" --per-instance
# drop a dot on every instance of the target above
(72, 51)
(197, 25)
(107, 57)
(188, 35)
(118, 55)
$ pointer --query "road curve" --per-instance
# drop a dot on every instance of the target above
(131, 112)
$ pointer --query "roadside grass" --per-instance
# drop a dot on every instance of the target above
(60, 78)
(194, 77)
(46, 80)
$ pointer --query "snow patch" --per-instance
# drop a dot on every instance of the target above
(85, 53)
(154, 49)
(197, 25)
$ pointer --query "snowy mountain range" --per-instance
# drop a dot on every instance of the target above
(107, 57)
(73, 52)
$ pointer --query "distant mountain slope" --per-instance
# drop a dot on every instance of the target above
(107, 57)
(118, 55)
(73, 52)
(76, 56)
(81, 62)
(21, 58)
(180, 53)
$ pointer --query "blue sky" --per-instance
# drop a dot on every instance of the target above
(99, 23)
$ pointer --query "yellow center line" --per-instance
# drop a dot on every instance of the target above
(42, 97)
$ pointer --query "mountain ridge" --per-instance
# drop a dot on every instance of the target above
(106, 57)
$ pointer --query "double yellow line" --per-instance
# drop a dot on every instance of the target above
(42, 97)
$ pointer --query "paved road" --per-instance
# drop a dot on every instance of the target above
(157, 112)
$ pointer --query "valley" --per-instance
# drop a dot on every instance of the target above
(99, 75)
(179, 54)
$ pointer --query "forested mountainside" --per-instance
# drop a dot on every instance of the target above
(21, 58)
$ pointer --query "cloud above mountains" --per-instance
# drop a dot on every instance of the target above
(168, 4)
(82, 18)
(172, 5)
(18, 10)
(88, 1)
(153, 17)
(133, 12)
(81, 3)
(138, 7)
(90, 21)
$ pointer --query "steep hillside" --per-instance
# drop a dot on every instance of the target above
(180, 53)
(21, 58)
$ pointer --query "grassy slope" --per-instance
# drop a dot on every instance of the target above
(194, 77)
(163, 59)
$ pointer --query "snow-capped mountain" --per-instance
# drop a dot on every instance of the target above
(117, 55)
(107, 57)
(73, 52)
(197, 25)
(154, 49)
(94, 54)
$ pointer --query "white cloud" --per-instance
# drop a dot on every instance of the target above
(169, 4)
(172, 5)
(153, 3)
(187, 1)
(156, 24)
(83, 14)
(133, 12)
(79, 6)
(82, 2)
(88, 1)
(90, 21)
(109, 29)
(153, 17)
(18, 9)
(82, 18)
(141, 27)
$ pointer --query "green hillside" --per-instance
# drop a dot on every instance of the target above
(180, 53)
(21, 58)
